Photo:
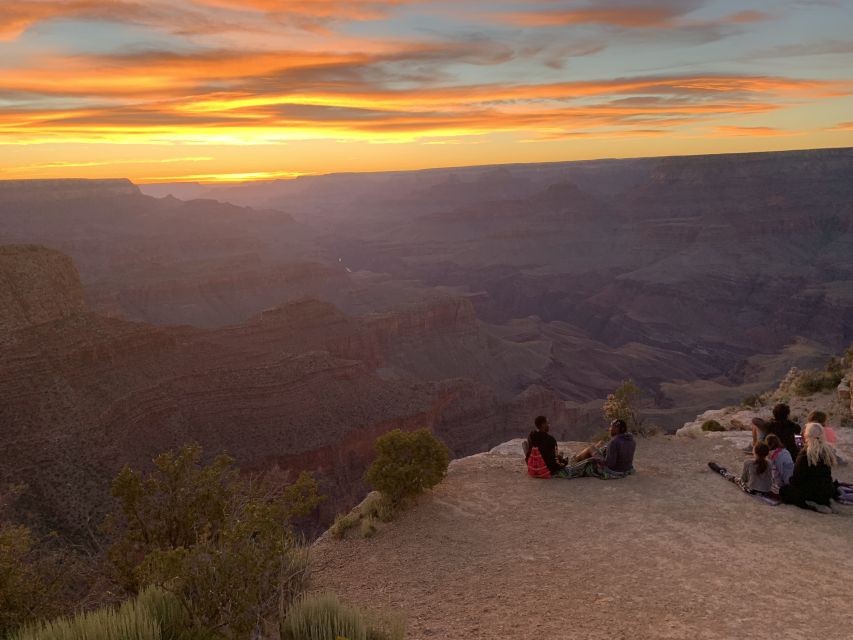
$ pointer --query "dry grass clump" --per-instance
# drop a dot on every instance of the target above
(153, 615)
(321, 616)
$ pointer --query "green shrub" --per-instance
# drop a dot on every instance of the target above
(407, 464)
(220, 543)
(379, 507)
(342, 524)
(368, 527)
(623, 404)
(753, 401)
(322, 616)
(33, 577)
(712, 425)
(153, 615)
(812, 381)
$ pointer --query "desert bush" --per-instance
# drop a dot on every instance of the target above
(322, 616)
(221, 544)
(378, 506)
(26, 591)
(407, 463)
(712, 425)
(623, 404)
(153, 615)
(753, 401)
(342, 524)
(368, 527)
(811, 381)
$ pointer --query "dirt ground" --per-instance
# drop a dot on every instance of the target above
(672, 552)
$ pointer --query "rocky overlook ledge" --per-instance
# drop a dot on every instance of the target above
(671, 552)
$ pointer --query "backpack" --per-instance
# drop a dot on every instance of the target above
(536, 467)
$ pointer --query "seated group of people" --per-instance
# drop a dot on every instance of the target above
(797, 470)
(614, 459)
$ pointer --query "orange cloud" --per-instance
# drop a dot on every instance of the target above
(192, 16)
(753, 131)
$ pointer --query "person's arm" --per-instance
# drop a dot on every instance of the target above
(744, 474)
(557, 459)
(786, 467)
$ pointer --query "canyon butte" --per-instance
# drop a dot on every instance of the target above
(290, 323)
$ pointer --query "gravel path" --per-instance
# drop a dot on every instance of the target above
(672, 552)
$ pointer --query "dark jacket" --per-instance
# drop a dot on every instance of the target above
(619, 455)
(547, 447)
(809, 482)
(785, 430)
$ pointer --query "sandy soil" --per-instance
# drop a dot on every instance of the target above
(672, 552)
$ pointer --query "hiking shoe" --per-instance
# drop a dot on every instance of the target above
(715, 467)
(820, 508)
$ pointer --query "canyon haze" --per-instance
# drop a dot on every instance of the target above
(292, 322)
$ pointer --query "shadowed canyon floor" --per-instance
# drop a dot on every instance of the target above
(672, 552)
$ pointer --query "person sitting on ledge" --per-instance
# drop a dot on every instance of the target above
(779, 426)
(812, 486)
(828, 432)
(613, 460)
(781, 463)
(540, 439)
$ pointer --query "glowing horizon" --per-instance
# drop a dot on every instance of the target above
(240, 90)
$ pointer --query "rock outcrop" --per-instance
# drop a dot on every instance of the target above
(37, 285)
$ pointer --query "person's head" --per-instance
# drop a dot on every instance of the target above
(817, 416)
(618, 426)
(761, 451)
(541, 423)
(816, 447)
(773, 442)
(781, 411)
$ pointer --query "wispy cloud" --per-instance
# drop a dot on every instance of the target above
(242, 72)
(753, 131)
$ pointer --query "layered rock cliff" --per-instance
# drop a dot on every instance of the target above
(36, 285)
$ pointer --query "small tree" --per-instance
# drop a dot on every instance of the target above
(407, 464)
(623, 404)
(33, 572)
(220, 543)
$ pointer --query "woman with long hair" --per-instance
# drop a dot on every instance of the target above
(811, 485)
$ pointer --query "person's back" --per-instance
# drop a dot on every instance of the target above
(619, 455)
(812, 486)
(785, 430)
(813, 481)
(547, 445)
(781, 463)
(755, 478)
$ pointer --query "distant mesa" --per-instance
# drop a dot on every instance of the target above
(64, 189)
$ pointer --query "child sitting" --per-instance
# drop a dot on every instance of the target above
(756, 475)
(755, 478)
(781, 464)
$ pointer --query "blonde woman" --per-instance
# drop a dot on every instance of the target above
(811, 485)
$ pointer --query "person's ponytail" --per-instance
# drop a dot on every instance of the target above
(761, 452)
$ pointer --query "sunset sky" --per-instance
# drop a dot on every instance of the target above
(208, 90)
